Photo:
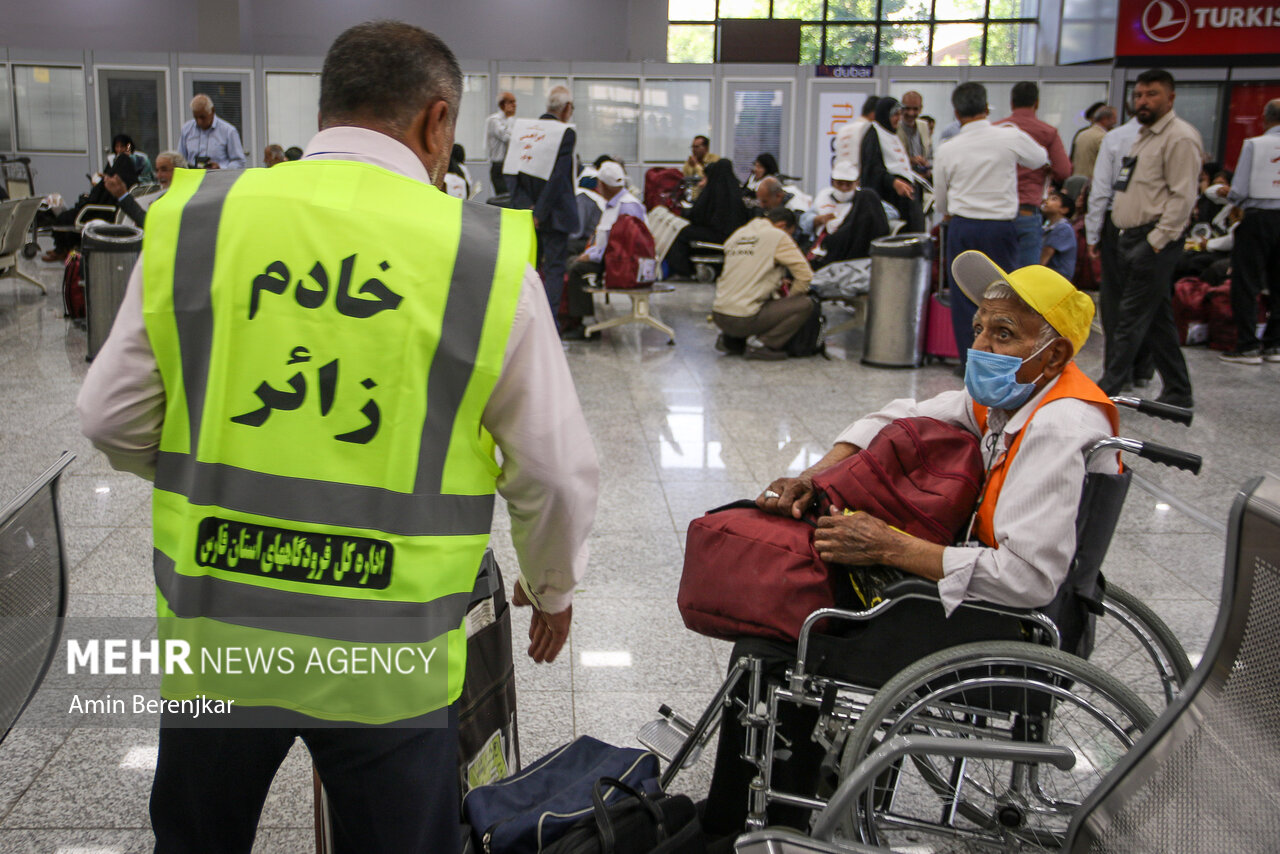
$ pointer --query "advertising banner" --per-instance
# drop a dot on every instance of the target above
(1182, 28)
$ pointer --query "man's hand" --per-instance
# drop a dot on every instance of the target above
(1095, 253)
(213, 165)
(536, 225)
(823, 219)
(919, 160)
(547, 632)
(115, 186)
(787, 496)
(857, 540)
(903, 188)
(583, 257)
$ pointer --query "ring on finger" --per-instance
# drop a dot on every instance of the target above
(769, 493)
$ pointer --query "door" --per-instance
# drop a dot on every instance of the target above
(133, 101)
(232, 93)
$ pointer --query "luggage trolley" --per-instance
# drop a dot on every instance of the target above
(1022, 676)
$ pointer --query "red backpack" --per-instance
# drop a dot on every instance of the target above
(750, 573)
(629, 257)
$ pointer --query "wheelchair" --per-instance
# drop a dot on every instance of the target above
(1080, 674)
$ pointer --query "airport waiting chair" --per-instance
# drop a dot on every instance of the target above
(1205, 776)
(33, 590)
(16, 217)
(640, 310)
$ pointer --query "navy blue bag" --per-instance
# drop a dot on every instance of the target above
(526, 812)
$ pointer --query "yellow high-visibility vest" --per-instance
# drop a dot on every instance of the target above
(328, 334)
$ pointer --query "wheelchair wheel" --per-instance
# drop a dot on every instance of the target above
(1009, 691)
(1130, 639)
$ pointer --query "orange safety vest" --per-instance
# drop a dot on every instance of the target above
(1071, 384)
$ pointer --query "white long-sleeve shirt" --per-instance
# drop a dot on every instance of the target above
(1115, 145)
(497, 135)
(550, 474)
(976, 174)
(1035, 514)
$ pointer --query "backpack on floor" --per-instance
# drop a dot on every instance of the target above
(808, 340)
(73, 287)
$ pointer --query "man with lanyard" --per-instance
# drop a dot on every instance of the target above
(1156, 190)
(208, 142)
(1101, 236)
(316, 365)
(1037, 415)
(915, 137)
(1255, 255)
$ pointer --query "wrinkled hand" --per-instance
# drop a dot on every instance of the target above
(903, 188)
(794, 494)
(857, 540)
(547, 632)
(114, 185)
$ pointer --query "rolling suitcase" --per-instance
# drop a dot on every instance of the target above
(939, 337)
(488, 735)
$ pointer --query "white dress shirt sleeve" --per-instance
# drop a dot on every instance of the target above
(1030, 153)
(1100, 192)
(940, 178)
(952, 407)
(1243, 175)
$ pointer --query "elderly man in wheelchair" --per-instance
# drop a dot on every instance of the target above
(793, 718)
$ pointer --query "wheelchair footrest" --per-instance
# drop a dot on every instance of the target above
(665, 738)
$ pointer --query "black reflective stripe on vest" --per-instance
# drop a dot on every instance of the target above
(322, 502)
(193, 286)
(337, 618)
(455, 358)
(425, 512)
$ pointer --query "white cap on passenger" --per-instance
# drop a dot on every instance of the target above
(843, 170)
(611, 174)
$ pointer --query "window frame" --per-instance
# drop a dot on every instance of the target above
(880, 23)
(86, 143)
(100, 120)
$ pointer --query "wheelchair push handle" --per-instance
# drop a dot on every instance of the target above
(1165, 455)
(1167, 411)
(1157, 453)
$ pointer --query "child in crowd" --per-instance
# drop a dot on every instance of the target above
(1059, 247)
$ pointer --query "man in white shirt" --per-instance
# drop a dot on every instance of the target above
(611, 184)
(753, 314)
(832, 204)
(975, 183)
(206, 141)
(393, 789)
(497, 136)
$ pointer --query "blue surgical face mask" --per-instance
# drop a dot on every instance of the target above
(992, 379)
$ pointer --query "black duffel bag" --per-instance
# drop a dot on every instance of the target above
(639, 823)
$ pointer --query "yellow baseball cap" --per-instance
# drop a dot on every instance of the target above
(1050, 295)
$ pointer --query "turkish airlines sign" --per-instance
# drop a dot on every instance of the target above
(1196, 28)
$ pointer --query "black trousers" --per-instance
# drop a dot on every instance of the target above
(581, 303)
(553, 249)
(496, 178)
(1145, 315)
(1109, 292)
(1255, 267)
(391, 790)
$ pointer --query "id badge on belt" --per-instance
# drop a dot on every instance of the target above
(1127, 166)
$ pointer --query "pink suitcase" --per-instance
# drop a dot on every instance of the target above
(939, 337)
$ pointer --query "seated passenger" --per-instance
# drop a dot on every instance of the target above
(65, 236)
(766, 165)
(122, 145)
(718, 212)
(135, 209)
(612, 187)
(770, 193)
(273, 155)
(755, 316)
(457, 179)
(844, 219)
(1036, 414)
(590, 207)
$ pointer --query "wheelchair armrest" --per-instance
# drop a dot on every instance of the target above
(855, 785)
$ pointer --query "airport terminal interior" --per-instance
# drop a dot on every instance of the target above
(679, 428)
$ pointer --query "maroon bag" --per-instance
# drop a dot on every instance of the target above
(918, 474)
(629, 257)
(73, 287)
(750, 573)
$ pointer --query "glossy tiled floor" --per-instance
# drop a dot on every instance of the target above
(678, 429)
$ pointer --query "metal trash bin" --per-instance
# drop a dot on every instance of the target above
(897, 301)
(109, 254)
